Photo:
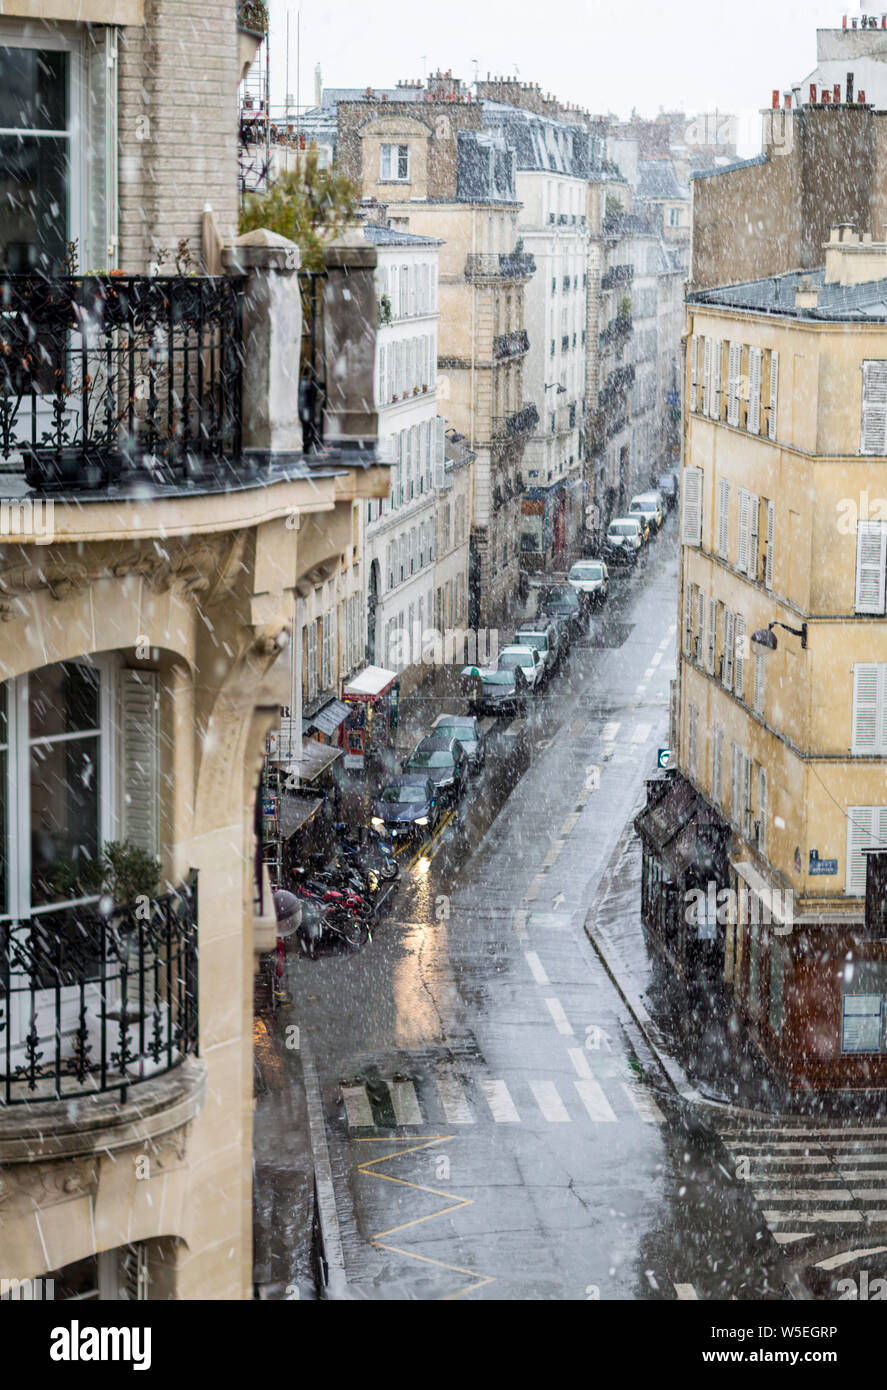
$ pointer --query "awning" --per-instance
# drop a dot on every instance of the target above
(316, 758)
(661, 821)
(683, 832)
(327, 719)
(370, 683)
(296, 811)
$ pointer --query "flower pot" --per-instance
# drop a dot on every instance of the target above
(47, 469)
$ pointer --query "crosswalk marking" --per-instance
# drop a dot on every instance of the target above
(405, 1102)
(502, 1107)
(641, 733)
(533, 891)
(537, 969)
(357, 1106)
(610, 730)
(455, 1106)
(514, 728)
(655, 660)
(487, 723)
(592, 1096)
(811, 1216)
(549, 1101)
(561, 1022)
(686, 1291)
(643, 1102)
(580, 1062)
(577, 727)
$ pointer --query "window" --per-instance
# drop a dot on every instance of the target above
(692, 736)
(694, 370)
(311, 658)
(739, 687)
(326, 666)
(735, 784)
(747, 560)
(729, 648)
(753, 417)
(691, 517)
(395, 165)
(723, 517)
(712, 634)
(869, 708)
(762, 810)
(717, 746)
(866, 829)
(871, 552)
(733, 383)
(768, 553)
(688, 619)
(774, 392)
(759, 683)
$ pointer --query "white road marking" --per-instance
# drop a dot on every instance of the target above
(665, 644)
(803, 1194)
(788, 1237)
(455, 1106)
(641, 733)
(569, 824)
(357, 1107)
(655, 660)
(561, 1022)
(520, 923)
(487, 723)
(643, 1102)
(549, 1101)
(405, 1102)
(502, 1107)
(640, 690)
(514, 728)
(812, 1216)
(594, 1100)
(686, 1291)
(536, 967)
(533, 890)
(610, 730)
(847, 1256)
(580, 1062)
(648, 674)
(552, 854)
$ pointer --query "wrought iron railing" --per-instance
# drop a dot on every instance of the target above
(102, 376)
(511, 344)
(93, 1002)
(617, 275)
(312, 372)
(511, 265)
(523, 421)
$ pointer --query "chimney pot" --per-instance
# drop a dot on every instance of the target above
(788, 101)
(844, 24)
(861, 97)
(813, 93)
(836, 94)
(775, 99)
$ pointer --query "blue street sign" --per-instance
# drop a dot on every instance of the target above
(663, 757)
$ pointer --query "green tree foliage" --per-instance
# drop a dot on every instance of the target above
(309, 205)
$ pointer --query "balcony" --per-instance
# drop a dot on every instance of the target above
(617, 331)
(522, 422)
(513, 265)
(511, 344)
(108, 377)
(617, 275)
(93, 1002)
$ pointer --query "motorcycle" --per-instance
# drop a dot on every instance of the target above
(374, 855)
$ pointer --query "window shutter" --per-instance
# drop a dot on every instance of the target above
(739, 687)
(729, 647)
(723, 517)
(868, 712)
(717, 739)
(762, 810)
(140, 758)
(759, 683)
(706, 378)
(871, 551)
(774, 394)
(691, 518)
(771, 527)
(733, 371)
(861, 828)
(747, 767)
(716, 380)
(753, 418)
(712, 633)
(874, 408)
(754, 504)
(735, 784)
(694, 369)
(700, 639)
(688, 619)
(742, 560)
(439, 451)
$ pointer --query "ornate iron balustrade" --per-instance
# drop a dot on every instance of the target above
(511, 344)
(617, 330)
(512, 265)
(617, 275)
(103, 376)
(92, 1002)
(523, 421)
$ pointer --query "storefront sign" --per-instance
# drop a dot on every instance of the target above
(861, 1023)
(269, 806)
(663, 757)
(821, 866)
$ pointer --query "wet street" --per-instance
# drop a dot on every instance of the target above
(497, 1126)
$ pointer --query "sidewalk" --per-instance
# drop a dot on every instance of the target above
(694, 1031)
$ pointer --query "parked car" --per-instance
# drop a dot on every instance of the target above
(529, 659)
(542, 635)
(669, 487)
(562, 601)
(444, 760)
(591, 578)
(466, 728)
(498, 692)
(649, 506)
(625, 538)
(407, 807)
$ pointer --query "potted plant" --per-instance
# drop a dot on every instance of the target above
(384, 309)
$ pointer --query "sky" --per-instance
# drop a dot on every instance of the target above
(605, 55)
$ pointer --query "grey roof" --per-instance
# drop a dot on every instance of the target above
(393, 236)
(657, 180)
(728, 168)
(776, 295)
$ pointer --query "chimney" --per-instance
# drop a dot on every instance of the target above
(844, 22)
(836, 94)
(851, 259)
(775, 99)
(812, 93)
(849, 87)
(318, 86)
(806, 294)
(788, 101)
(861, 97)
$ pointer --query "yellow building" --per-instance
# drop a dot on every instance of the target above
(781, 711)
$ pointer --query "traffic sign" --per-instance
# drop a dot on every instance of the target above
(664, 757)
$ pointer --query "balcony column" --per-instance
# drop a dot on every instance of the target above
(272, 339)
(349, 326)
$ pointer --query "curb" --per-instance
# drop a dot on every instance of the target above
(332, 1259)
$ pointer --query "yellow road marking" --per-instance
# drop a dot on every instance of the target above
(478, 1280)
(422, 851)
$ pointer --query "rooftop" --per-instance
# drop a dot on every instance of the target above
(393, 236)
(861, 303)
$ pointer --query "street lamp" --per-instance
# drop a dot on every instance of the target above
(556, 386)
(765, 638)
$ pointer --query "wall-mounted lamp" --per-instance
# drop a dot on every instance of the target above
(765, 638)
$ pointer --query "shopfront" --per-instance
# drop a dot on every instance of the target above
(367, 733)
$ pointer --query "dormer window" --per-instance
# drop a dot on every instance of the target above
(395, 163)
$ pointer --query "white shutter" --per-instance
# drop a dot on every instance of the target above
(735, 784)
(694, 369)
(439, 446)
(711, 633)
(771, 527)
(706, 378)
(774, 394)
(716, 380)
(759, 683)
(733, 370)
(863, 823)
(688, 619)
(874, 408)
(717, 739)
(742, 560)
(868, 707)
(754, 504)
(871, 552)
(700, 639)
(691, 517)
(762, 811)
(739, 687)
(729, 648)
(753, 418)
(692, 729)
(747, 770)
(139, 758)
(723, 517)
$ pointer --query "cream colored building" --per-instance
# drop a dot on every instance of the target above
(153, 545)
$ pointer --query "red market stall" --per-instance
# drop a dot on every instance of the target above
(372, 697)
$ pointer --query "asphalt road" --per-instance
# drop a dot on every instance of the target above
(496, 1126)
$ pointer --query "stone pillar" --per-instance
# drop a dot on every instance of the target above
(272, 339)
(350, 317)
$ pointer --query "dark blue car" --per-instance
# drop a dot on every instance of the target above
(407, 807)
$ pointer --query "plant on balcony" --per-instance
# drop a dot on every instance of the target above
(252, 15)
(384, 310)
(128, 872)
(614, 207)
(625, 307)
(309, 205)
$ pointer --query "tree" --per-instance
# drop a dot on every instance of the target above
(309, 205)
